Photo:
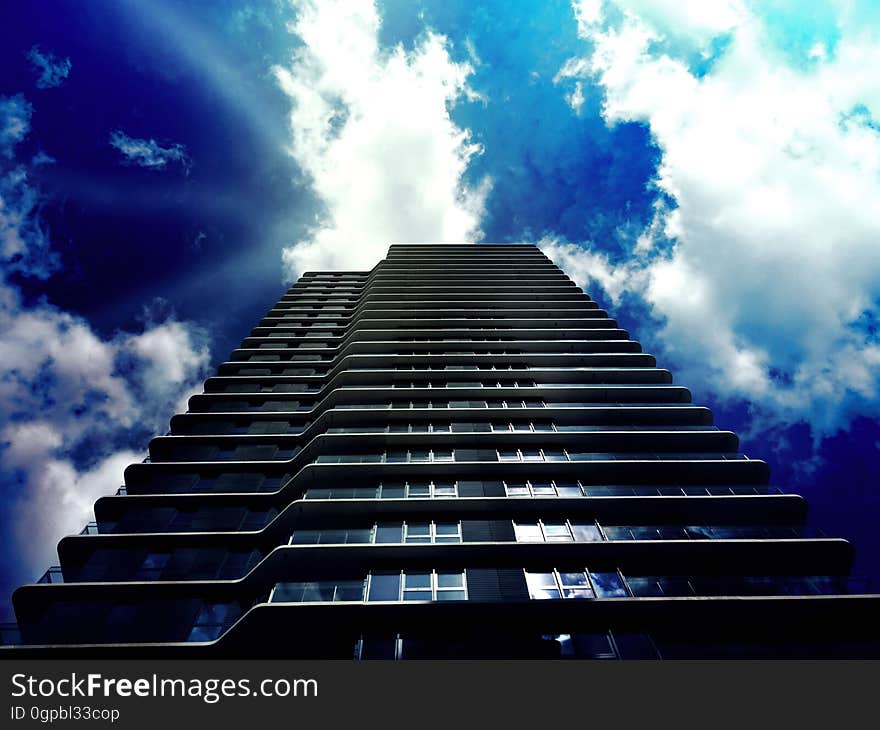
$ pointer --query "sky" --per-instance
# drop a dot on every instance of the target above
(708, 170)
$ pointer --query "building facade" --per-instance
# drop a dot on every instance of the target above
(456, 454)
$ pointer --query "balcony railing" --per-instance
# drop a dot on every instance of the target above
(52, 575)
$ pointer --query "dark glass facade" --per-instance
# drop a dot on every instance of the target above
(456, 454)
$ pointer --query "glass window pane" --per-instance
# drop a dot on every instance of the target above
(392, 491)
(573, 579)
(540, 580)
(608, 585)
(586, 532)
(542, 594)
(577, 593)
(450, 580)
(204, 633)
(384, 587)
(287, 593)
(332, 537)
(446, 528)
(526, 532)
(451, 596)
(417, 580)
(389, 532)
(419, 490)
(349, 590)
(359, 536)
(557, 532)
(543, 489)
(156, 561)
(305, 537)
(419, 595)
(418, 529)
(318, 591)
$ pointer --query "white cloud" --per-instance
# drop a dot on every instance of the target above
(15, 122)
(72, 403)
(149, 153)
(371, 130)
(24, 243)
(766, 269)
(51, 71)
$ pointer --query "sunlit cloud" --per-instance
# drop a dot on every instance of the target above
(371, 129)
(50, 70)
(75, 406)
(762, 261)
(149, 153)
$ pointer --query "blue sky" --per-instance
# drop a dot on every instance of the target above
(707, 169)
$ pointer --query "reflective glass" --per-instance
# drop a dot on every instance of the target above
(392, 491)
(349, 590)
(451, 596)
(576, 579)
(450, 580)
(517, 490)
(419, 595)
(389, 532)
(557, 532)
(204, 633)
(526, 532)
(585, 532)
(417, 580)
(384, 587)
(577, 593)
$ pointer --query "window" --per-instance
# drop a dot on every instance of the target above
(428, 532)
(532, 455)
(333, 537)
(517, 489)
(323, 591)
(583, 646)
(543, 489)
(152, 567)
(559, 584)
(417, 490)
(556, 531)
(212, 620)
(417, 586)
(398, 456)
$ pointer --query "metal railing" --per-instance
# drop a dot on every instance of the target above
(52, 575)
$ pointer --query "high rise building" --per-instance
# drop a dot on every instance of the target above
(455, 454)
